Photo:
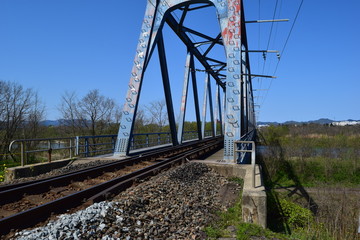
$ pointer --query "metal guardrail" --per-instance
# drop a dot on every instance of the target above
(28, 146)
(87, 146)
(246, 150)
(241, 149)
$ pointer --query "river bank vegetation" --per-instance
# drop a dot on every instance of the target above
(312, 176)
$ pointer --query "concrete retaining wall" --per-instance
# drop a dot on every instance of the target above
(34, 169)
(253, 198)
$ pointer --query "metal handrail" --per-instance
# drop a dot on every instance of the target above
(81, 145)
(48, 149)
(253, 156)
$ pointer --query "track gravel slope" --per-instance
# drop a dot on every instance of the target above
(176, 204)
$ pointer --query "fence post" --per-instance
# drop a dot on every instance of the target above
(159, 139)
(113, 143)
(77, 145)
(23, 154)
(132, 146)
(86, 147)
(253, 149)
(49, 151)
(70, 148)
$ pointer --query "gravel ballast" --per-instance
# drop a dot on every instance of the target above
(176, 204)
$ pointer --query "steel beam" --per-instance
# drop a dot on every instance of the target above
(144, 49)
(203, 122)
(184, 99)
(196, 97)
(167, 89)
(233, 75)
(211, 108)
(218, 112)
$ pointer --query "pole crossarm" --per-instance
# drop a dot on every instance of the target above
(258, 75)
(267, 21)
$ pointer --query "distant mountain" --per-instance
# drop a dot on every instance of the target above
(48, 123)
(268, 123)
(319, 121)
(59, 122)
(322, 121)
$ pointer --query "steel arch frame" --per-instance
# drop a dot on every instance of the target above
(238, 115)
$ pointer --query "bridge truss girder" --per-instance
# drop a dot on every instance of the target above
(238, 113)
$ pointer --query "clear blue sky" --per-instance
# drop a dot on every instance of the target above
(78, 45)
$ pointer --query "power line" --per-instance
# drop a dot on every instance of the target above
(268, 44)
(282, 51)
(288, 37)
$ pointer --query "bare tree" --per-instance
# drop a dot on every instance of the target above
(96, 112)
(117, 115)
(158, 113)
(16, 106)
(140, 121)
(69, 113)
(91, 115)
(35, 116)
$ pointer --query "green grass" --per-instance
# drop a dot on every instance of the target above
(314, 171)
(312, 156)
(230, 217)
(247, 230)
(233, 217)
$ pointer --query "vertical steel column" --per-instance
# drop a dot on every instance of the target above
(207, 78)
(217, 106)
(231, 32)
(242, 111)
(184, 99)
(250, 99)
(223, 113)
(150, 26)
(196, 97)
(244, 82)
(211, 108)
(167, 89)
(218, 112)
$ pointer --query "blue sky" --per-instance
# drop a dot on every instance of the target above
(78, 45)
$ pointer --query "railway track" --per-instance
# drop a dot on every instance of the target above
(27, 204)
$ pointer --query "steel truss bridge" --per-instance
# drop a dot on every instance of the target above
(235, 111)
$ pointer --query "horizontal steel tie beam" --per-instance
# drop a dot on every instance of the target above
(173, 24)
(196, 8)
(198, 44)
(198, 33)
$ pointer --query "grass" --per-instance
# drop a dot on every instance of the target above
(229, 223)
(230, 217)
(324, 158)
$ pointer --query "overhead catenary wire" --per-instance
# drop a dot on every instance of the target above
(288, 37)
(268, 43)
(284, 47)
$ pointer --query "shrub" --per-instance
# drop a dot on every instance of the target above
(295, 215)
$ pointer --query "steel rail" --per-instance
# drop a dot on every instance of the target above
(11, 193)
(100, 191)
